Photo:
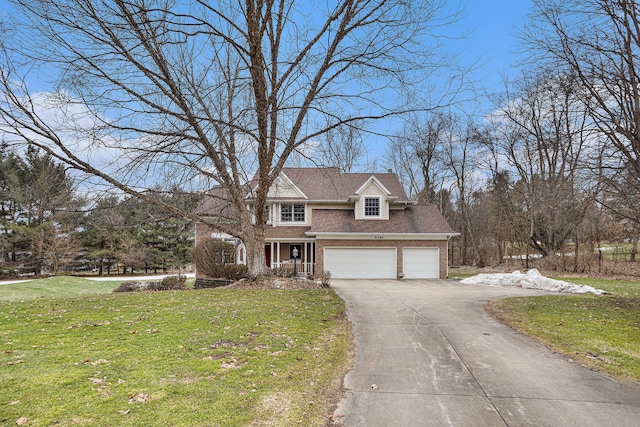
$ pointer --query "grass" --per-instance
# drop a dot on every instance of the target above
(54, 287)
(600, 332)
(211, 357)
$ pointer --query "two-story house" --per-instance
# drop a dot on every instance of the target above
(355, 225)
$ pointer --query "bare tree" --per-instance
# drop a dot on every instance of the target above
(202, 93)
(438, 159)
(60, 246)
(542, 137)
(461, 152)
(415, 154)
(598, 42)
(343, 147)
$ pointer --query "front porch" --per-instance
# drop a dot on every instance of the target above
(281, 255)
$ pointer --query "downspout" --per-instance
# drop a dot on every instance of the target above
(447, 250)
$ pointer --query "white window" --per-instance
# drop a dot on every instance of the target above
(372, 207)
(290, 212)
(267, 214)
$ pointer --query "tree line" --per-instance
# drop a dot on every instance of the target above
(517, 189)
(554, 170)
(49, 224)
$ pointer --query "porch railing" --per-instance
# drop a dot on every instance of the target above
(302, 268)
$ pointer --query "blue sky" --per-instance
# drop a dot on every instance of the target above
(489, 30)
(495, 24)
(491, 42)
(492, 27)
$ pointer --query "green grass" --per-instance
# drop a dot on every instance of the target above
(54, 287)
(211, 357)
(600, 332)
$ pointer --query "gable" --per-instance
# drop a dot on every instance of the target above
(284, 188)
(373, 187)
(372, 191)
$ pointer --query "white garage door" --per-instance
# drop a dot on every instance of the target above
(361, 263)
(421, 263)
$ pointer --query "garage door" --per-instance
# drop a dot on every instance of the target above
(421, 263)
(361, 263)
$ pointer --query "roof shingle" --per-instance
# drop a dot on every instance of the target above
(329, 184)
(414, 219)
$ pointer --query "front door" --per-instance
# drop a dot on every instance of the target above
(267, 255)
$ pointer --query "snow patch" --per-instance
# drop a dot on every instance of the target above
(532, 280)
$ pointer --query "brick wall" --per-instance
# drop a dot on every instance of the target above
(203, 231)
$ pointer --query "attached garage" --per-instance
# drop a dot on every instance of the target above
(421, 263)
(361, 263)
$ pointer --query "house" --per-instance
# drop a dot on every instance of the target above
(354, 225)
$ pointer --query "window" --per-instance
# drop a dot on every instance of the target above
(371, 206)
(292, 213)
(267, 214)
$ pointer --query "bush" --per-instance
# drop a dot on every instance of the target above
(283, 271)
(169, 283)
(173, 282)
(131, 286)
(213, 259)
(233, 271)
(326, 278)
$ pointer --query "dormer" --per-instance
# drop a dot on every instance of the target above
(371, 201)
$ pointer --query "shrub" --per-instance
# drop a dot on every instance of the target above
(326, 278)
(234, 271)
(173, 282)
(130, 286)
(169, 283)
(213, 258)
(283, 271)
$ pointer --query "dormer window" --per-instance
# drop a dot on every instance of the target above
(372, 207)
(290, 212)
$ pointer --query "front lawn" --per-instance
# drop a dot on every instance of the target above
(600, 332)
(54, 287)
(213, 357)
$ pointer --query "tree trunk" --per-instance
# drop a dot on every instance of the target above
(256, 262)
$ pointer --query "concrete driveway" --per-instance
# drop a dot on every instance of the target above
(428, 355)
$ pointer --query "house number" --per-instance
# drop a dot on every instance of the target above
(378, 237)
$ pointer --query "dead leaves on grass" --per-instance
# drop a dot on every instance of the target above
(139, 398)
(134, 399)
(233, 363)
(97, 380)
